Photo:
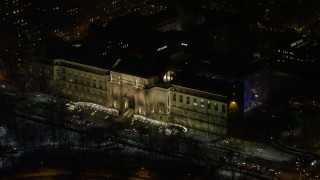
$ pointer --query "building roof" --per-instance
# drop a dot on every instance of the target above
(55, 48)
(216, 75)
(200, 83)
(141, 66)
(228, 65)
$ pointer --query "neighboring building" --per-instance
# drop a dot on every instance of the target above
(101, 11)
(299, 51)
(14, 22)
(145, 7)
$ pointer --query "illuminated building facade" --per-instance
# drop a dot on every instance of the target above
(148, 75)
(72, 80)
(144, 73)
(158, 96)
(80, 82)
(199, 100)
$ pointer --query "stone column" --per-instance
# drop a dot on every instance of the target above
(120, 99)
(136, 105)
(144, 94)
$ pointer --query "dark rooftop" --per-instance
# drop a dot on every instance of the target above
(215, 75)
(77, 52)
(205, 84)
(144, 67)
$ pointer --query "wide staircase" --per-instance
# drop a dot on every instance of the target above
(128, 113)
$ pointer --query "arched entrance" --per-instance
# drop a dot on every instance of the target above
(129, 100)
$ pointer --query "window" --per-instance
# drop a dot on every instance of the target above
(100, 84)
(88, 81)
(202, 103)
(223, 108)
(209, 105)
(63, 70)
(188, 100)
(195, 102)
(174, 97)
(216, 107)
(181, 99)
(81, 81)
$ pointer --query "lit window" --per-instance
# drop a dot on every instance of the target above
(201, 103)
(195, 102)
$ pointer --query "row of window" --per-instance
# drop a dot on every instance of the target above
(75, 74)
(195, 103)
(82, 80)
(84, 97)
(93, 91)
(88, 69)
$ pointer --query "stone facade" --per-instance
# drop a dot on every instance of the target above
(144, 96)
